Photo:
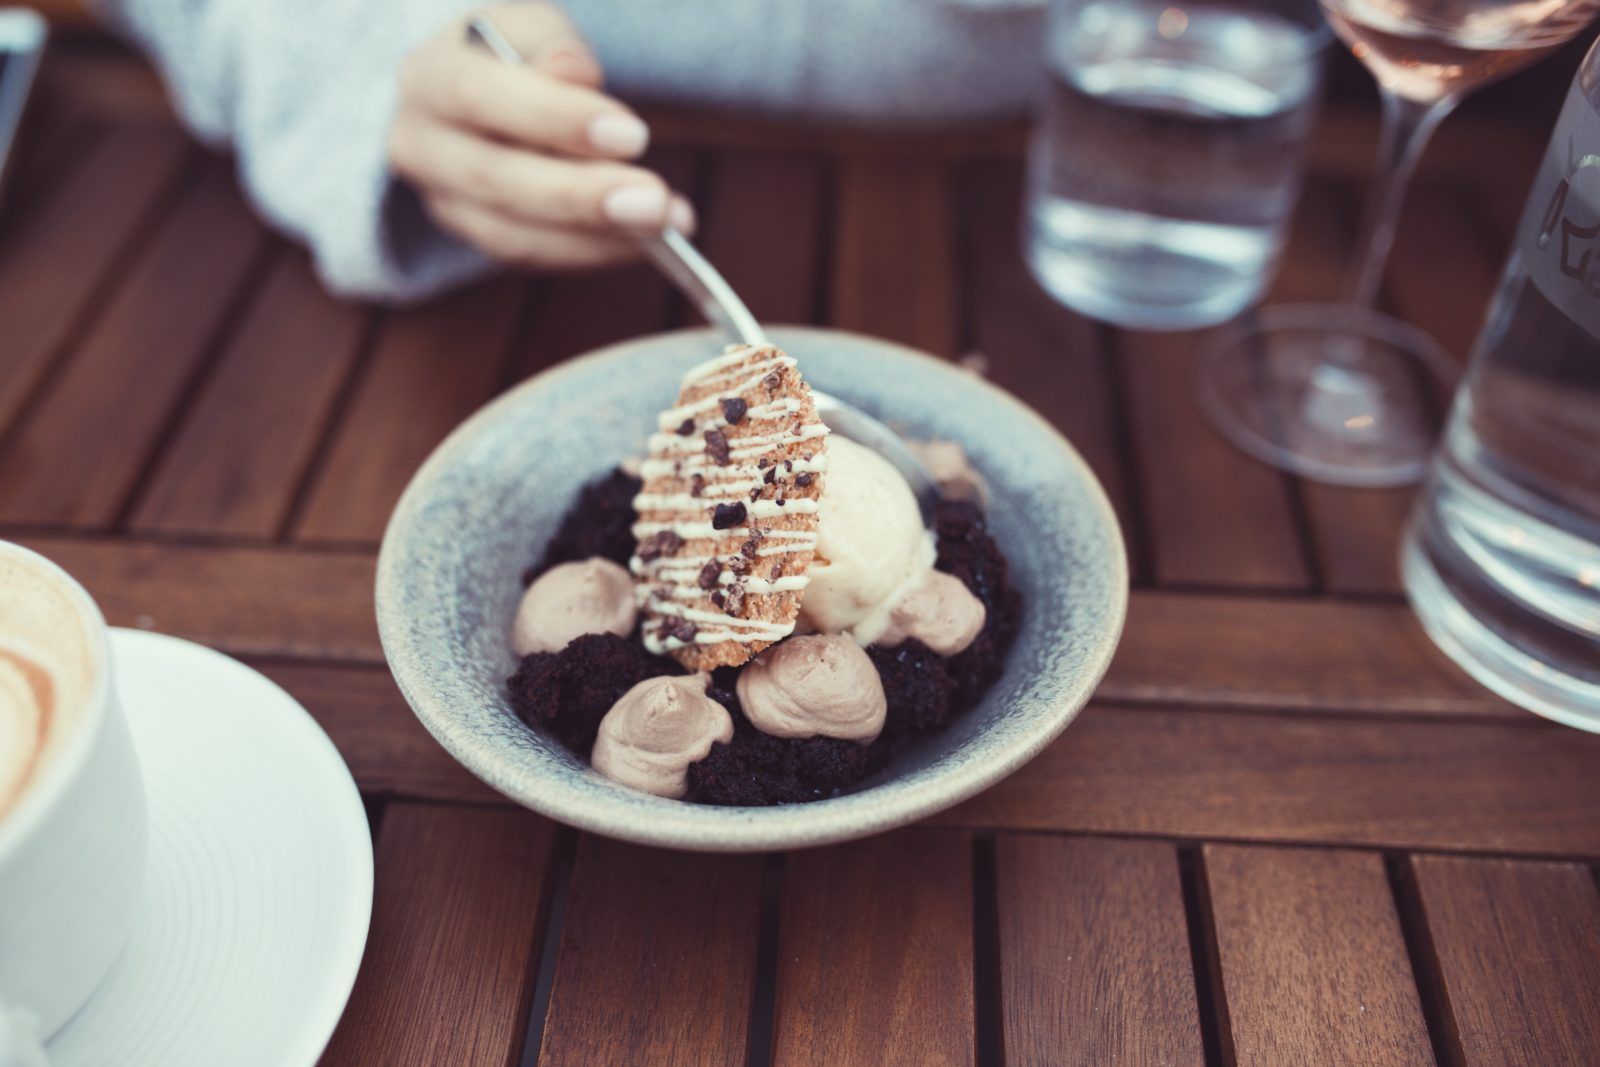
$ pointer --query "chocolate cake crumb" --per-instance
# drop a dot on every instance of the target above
(599, 523)
(772, 381)
(777, 569)
(967, 551)
(717, 447)
(755, 769)
(918, 686)
(709, 574)
(734, 599)
(755, 494)
(727, 516)
(733, 409)
(570, 691)
(697, 485)
(686, 427)
(748, 549)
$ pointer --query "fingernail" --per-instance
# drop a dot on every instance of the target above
(681, 215)
(569, 60)
(640, 206)
(618, 134)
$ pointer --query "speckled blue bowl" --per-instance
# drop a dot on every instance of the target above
(483, 505)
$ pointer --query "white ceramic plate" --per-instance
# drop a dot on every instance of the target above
(259, 887)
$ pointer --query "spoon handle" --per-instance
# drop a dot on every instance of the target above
(670, 251)
(697, 279)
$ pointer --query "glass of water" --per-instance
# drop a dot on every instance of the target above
(1167, 154)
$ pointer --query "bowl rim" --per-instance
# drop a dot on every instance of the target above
(710, 828)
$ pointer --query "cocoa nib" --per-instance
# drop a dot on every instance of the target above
(772, 381)
(734, 600)
(748, 549)
(697, 485)
(661, 543)
(709, 574)
(804, 479)
(728, 516)
(686, 427)
(771, 475)
(755, 494)
(733, 409)
(677, 627)
(717, 447)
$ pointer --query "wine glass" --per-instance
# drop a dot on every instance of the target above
(1341, 392)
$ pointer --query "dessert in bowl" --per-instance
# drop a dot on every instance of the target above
(809, 670)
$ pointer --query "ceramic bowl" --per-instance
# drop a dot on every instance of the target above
(482, 507)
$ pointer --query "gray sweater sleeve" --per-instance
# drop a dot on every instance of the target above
(303, 92)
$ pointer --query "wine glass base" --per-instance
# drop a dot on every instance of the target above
(1332, 393)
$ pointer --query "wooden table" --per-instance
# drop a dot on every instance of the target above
(1286, 832)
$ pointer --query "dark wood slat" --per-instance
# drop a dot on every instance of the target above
(578, 313)
(1355, 532)
(111, 84)
(261, 602)
(1034, 347)
(1265, 652)
(239, 454)
(658, 959)
(894, 266)
(1094, 953)
(1313, 962)
(429, 369)
(387, 749)
(1279, 653)
(56, 252)
(875, 953)
(79, 452)
(1385, 782)
(763, 230)
(1518, 949)
(1253, 777)
(1216, 517)
(1441, 273)
(449, 969)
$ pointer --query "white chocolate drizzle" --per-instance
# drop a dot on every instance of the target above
(671, 585)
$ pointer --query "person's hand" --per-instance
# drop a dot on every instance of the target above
(526, 162)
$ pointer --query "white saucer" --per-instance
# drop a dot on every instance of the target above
(259, 888)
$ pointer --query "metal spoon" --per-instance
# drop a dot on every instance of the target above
(676, 257)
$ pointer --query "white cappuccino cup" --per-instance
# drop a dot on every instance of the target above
(72, 809)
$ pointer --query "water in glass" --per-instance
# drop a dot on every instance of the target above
(1503, 558)
(1167, 156)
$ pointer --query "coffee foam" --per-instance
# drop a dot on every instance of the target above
(47, 667)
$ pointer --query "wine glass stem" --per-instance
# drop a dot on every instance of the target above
(1407, 125)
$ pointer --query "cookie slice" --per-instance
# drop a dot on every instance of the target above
(727, 515)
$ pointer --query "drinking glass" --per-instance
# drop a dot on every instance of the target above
(1340, 392)
(1167, 153)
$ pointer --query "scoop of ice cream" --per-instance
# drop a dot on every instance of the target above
(940, 611)
(660, 726)
(573, 599)
(952, 471)
(810, 686)
(871, 545)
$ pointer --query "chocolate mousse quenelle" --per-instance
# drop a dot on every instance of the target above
(760, 616)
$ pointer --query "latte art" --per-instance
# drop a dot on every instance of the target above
(27, 700)
(47, 667)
